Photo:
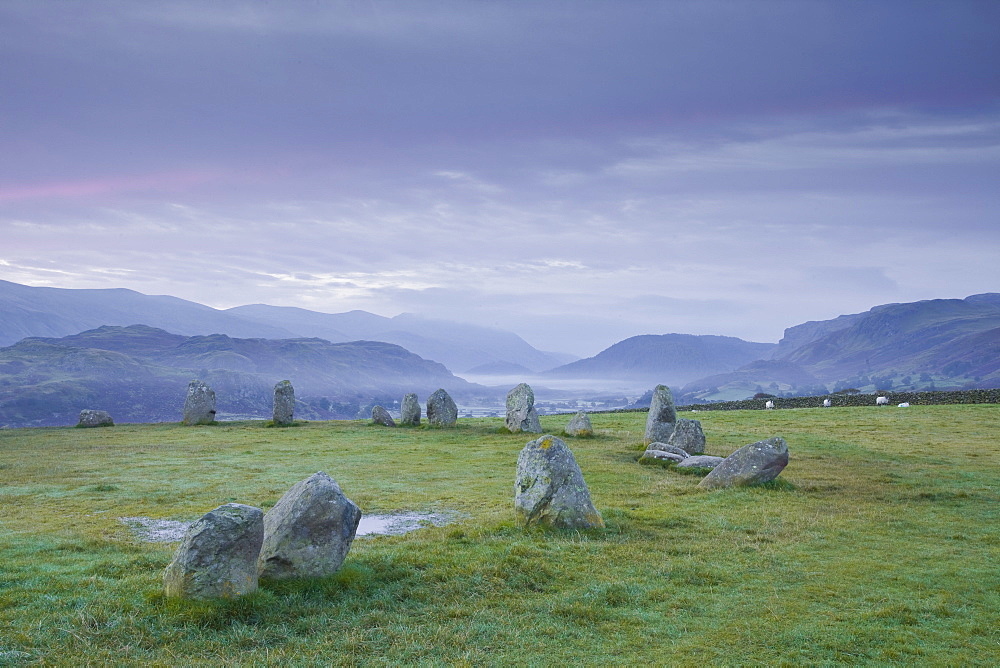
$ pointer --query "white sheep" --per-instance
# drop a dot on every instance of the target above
(905, 404)
(769, 405)
(827, 403)
(881, 401)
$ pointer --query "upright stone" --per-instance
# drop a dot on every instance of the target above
(284, 404)
(662, 416)
(580, 425)
(218, 556)
(521, 413)
(409, 412)
(441, 409)
(199, 406)
(92, 418)
(750, 465)
(549, 489)
(309, 531)
(381, 416)
(688, 436)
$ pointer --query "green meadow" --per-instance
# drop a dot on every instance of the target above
(878, 544)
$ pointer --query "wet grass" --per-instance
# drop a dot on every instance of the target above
(878, 544)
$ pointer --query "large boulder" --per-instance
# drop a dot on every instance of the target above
(409, 412)
(199, 405)
(218, 556)
(381, 416)
(662, 416)
(549, 489)
(750, 465)
(284, 404)
(309, 530)
(441, 409)
(93, 418)
(580, 425)
(521, 413)
(688, 436)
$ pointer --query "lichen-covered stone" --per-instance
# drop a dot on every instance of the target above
(750, 465)
(93, 418)
(701, 462)
(688, 436)
(309, 530)
(218, 556)
(662, 416)
(549, 489)
(199, 405)
(441, 409)
(409, 411)
(580, 425)
(284, 404)
(521, 413)
(381, 416)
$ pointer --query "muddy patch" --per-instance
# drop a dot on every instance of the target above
(156, 531)
(152, 530)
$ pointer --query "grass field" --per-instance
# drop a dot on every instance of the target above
(881, 546)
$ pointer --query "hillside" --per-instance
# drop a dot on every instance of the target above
(140, 374)
(931, 344)
(55, 312)
(666, 358)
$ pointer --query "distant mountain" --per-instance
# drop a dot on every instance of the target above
(666, 358)
(140, 374)
(458, 346)
(54, 312)
(939, 343)
(28, 311)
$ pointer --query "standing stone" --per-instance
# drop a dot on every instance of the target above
(218, 556)
(409, 412)
(309, 531)
(441, 409)
(580, 425)
(199, 406)
(92, 418)
(662, 416)
(521, 413)
(549, 489)
(688, 436)
(750, 465)
(284, 404)
(381, 416)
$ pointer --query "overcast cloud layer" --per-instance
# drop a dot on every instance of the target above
(577, 172)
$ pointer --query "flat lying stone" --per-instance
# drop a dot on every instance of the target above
(702, 461)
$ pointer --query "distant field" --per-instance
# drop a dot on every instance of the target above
(880, 546)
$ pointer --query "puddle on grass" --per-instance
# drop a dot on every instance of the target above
(395, 524)
(390, 524)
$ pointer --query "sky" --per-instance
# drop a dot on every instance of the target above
(577, 172)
